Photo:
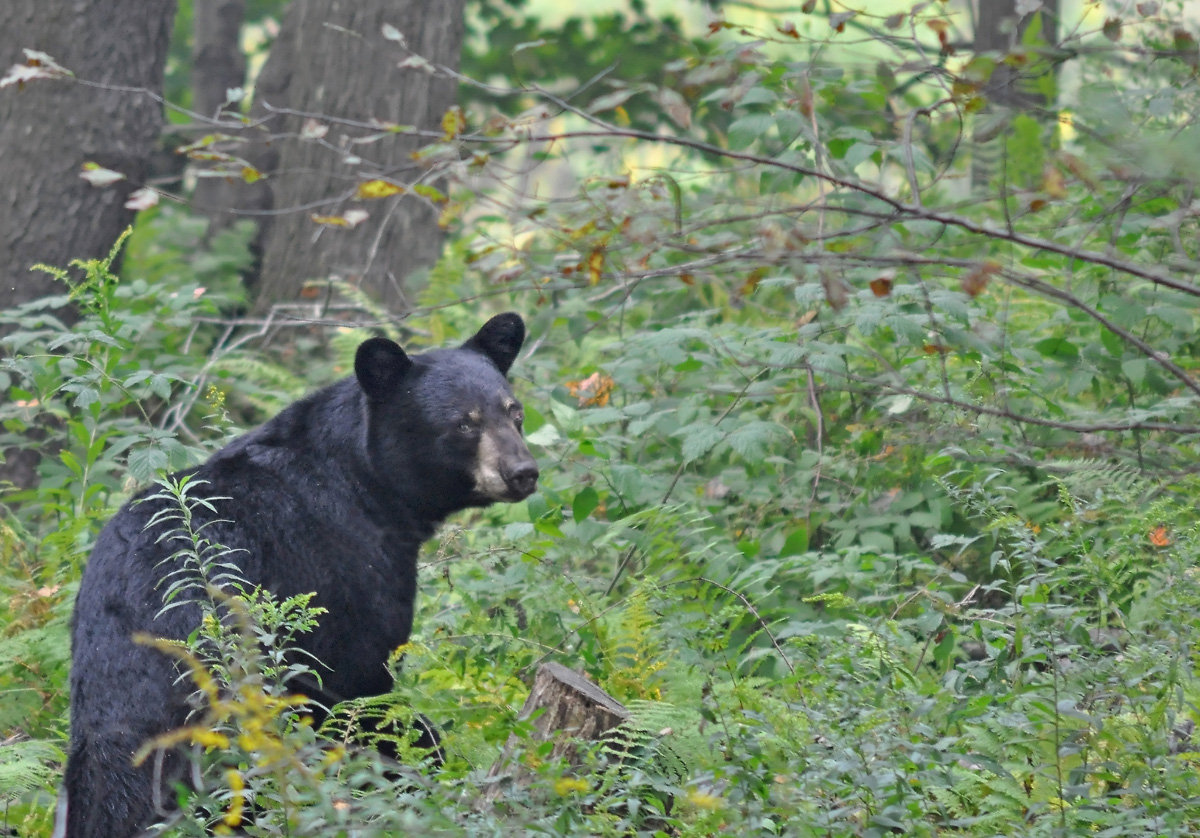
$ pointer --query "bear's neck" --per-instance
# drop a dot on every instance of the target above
(329, 428)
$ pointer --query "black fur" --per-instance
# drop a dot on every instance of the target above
(333, 495)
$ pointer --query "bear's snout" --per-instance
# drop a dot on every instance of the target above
(521, 478)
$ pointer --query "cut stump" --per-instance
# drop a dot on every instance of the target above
(576, 711)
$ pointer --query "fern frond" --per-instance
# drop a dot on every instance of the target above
(27, 766)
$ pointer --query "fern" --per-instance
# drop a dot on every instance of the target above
(636, 654)
(1095, 479)
(26, 766)
(268, 386)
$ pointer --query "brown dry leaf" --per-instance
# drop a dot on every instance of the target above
(416, 62)
(881, 286)
(716, 490)
(888, 450)
(38, 65)
(835, 291)
(838, 21)
(977, 280)
(676, 107)
(752, 279)
(313, 129)
(142, 199)
(1078, 168)
(1053, 183)
(593, 391)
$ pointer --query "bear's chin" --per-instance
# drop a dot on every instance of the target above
(507, 495)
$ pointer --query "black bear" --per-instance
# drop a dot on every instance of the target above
(334, 495)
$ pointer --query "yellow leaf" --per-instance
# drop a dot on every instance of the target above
(426, 191)
(329, 220)
(251, 174)
(1053, 183)
(371, 189)
(595, 265)
(702, 800)
(451, 212)
(453, 122)
(569, 785)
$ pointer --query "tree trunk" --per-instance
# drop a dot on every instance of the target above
(330, 59)
(49, 129)
(999, 29)
(576, 710)
(218, 66)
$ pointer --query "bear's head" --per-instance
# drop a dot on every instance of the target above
(443, 427)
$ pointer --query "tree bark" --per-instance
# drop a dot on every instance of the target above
(576, 710)
(49, 129)
(331, 59)
(998, 29)
(218, 66)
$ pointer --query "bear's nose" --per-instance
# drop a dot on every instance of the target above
(523, 479)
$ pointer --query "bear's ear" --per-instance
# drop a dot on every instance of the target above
(500, 339)
(379, 365)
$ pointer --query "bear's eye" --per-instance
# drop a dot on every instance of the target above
(519, 418)
(466, 426)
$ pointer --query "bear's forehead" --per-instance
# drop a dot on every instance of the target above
(455, 381)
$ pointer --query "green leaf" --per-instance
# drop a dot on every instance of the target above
(751, 439)
(698, 439)
(627, 480)
(1135, 370)
(1112, 343)
(796, 542)
(611, 100)
(789, 124)
(839, 146)
(1059, 348)
(161, 386)
(86, 396)
(544, 436)
(750, 129)
(146, 462)
(585, 502)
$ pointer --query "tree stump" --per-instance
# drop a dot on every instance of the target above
(576, 711)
